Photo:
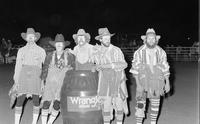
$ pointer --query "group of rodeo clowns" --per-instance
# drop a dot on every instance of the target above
(38, 75)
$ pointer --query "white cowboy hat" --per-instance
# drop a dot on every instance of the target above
(31, 31)
(81, 32)
(150, 31)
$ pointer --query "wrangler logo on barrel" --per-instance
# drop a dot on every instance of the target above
(88, 103)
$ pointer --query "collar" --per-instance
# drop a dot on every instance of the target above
(30, 46)
(154, 49)
(84, 46)
(107, 48)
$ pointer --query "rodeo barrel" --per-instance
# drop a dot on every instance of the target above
(79, 101)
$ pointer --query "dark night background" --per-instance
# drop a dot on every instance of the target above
(175, 20)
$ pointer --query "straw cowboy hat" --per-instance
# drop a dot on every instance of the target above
(103, 32)
(150, 31)
(31, 31)
(81, 32)
(59, 38)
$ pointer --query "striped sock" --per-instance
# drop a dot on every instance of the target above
(139, 120)
(120, 116)
(140, 110)
(106, 117)
(18, 112)
(45, 113)
(53, 116)
(155, 103)
(36, 110)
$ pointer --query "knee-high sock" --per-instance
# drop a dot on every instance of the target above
(139, 120)
(106, 117)
(140, 110)
(53, 116)
(45, 113)
(120, 116)
(155, 103)
(36, 110)
(18, 112)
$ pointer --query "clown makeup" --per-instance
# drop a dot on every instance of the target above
(81, 40)
(30, 38)
(105, 40)
(59, 46)
(151, 40)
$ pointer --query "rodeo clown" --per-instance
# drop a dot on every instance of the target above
(27, 74)
(56, 64)
(112, 79)
(150, 69)
(83, 51)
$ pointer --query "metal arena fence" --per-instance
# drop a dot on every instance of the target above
(173, 54)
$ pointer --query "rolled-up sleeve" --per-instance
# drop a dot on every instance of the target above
(135, 63)
(165, 65)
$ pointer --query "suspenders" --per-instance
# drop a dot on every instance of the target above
(143, 57)
(144, 61)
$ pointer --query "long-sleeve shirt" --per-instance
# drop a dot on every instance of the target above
(111, 79)
(152, 57)
(30, 54)
(111, 55)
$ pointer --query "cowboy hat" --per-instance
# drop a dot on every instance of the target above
(150, 31)
(30, 31)
(103, 32)
(59, 38)
(81, 32)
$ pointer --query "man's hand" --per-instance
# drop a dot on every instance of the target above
(93, 69)
(42, 85)
(167, 88)
(167, 85)
(13, 89)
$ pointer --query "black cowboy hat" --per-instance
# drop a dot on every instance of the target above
(59, 38)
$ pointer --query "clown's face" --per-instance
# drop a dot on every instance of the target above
(59, 46)
(30, 38)
(151, 41)
(105, 40)
(81, 40)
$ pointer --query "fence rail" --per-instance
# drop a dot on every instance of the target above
(173, 53)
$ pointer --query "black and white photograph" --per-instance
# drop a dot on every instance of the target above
(99, 62)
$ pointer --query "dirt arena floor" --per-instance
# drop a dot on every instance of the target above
(180, 107)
